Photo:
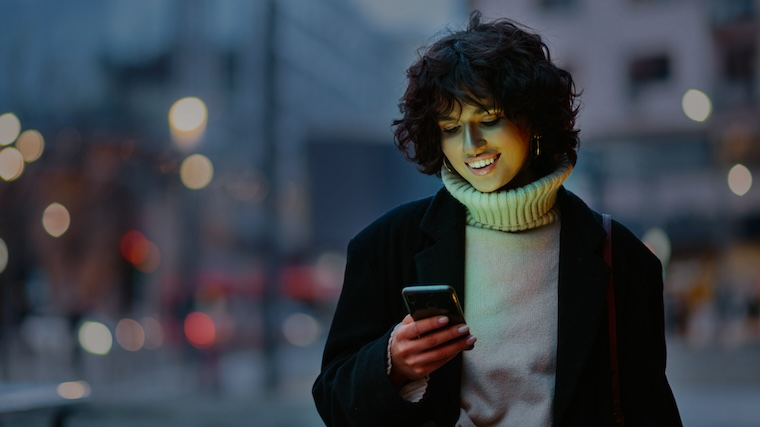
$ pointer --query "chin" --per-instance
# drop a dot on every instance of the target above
(487, 188)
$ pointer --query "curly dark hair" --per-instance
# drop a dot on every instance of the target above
(501, 64)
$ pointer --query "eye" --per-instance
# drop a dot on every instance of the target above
(449, 129)
(491, 121)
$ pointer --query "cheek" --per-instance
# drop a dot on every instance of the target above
(516, 145)
(449, 148)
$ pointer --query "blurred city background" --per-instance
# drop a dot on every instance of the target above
(179, 179)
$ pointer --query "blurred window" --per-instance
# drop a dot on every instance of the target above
(738, 72)
(739, 61)
(648, 70)
(724, 12)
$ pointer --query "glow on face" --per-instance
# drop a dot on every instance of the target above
(484, 147)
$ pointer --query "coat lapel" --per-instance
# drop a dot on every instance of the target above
(583, 278)
(443, 261)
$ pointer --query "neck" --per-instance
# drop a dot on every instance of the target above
(516, 209)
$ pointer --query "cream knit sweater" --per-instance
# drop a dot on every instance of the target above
(511, 270)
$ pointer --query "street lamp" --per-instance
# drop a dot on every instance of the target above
(187, 121)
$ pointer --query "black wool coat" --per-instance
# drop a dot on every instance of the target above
(423, 242)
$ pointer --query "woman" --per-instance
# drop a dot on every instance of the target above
(487, 110)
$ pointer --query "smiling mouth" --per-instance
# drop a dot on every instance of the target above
(480, 164)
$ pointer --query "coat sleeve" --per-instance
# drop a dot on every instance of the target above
(646, 394)
(353, 388)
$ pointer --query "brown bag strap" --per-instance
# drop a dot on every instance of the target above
(617, 409)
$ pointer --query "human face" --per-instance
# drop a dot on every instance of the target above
(485, 148)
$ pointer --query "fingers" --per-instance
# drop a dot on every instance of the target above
(417, 361)
(419, 348)
(428, 333)
(421, 327)
(441, 345)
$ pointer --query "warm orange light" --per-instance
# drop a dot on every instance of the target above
(31, 144)
(134, 247)
(139, 251)
(73, 390)
(56, 219)
(196, 171)
(153, 260)
(187, 121)
(200, 330)
(11, 163)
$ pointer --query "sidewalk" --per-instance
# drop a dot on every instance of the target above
(714, 386)
(291, 410)
(171, 396)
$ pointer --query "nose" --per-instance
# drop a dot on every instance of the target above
(473, 139)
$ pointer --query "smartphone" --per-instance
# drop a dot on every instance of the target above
(424, 301)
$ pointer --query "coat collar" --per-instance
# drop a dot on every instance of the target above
(443, 260)
(582, 278)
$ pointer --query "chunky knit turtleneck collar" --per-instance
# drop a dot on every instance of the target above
(518, 209)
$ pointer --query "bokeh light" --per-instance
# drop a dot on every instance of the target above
(739, 179)
(154, 333)
(696, 105)
(139, 251)
(95, 338)
(188, 114)
(329, 269)
(130, 334)
(3, 255)
(73, 390)
(11, 163)
(31, 144)
(200, 330)
(196, 171)
(657, 240)
(187, 121)
(56, 219)
(10, 127)
(301, 329)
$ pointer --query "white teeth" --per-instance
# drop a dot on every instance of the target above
(481, 163)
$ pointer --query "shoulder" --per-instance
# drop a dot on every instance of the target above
(419, 220)
(624, 241)
(402, 220)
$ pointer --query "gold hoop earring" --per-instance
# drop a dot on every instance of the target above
(446, 165)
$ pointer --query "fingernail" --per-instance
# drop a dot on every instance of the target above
(443, 320)
(471, 340)
(463, 329)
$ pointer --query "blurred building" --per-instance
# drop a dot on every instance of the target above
(641, 157)
(298, 98)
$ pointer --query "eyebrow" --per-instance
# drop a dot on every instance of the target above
(489, 109)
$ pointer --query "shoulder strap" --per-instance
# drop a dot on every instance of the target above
(617, 409)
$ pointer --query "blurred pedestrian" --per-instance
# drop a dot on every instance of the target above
(489, 112)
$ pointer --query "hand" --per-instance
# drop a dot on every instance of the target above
(418, 348)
